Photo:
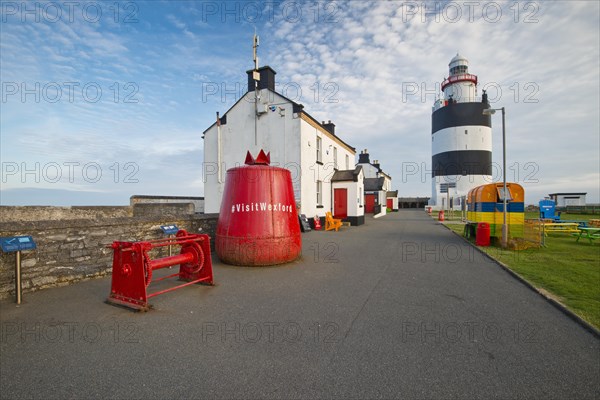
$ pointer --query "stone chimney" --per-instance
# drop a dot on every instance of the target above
(363, 157)
(267, 79)
(329, 127)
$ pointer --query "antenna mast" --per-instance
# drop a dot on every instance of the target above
(256, 77)
(254, 47)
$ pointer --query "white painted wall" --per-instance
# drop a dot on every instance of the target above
(563, 200)
(312, 171)
(382, 195)
(455, 138)
(462, 92)
(291, 141)
(370, 170)
(387, 184)
(276, 134)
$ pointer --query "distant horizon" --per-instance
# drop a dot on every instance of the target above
(61, 193)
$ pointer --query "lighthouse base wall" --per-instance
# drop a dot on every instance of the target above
(450, 191)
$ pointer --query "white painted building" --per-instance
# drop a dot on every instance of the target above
(309, 149)
(377, 184)
(349, 184)
(568, 199)
(392, 200)
(461, 138)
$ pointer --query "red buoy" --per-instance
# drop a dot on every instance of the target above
(258, 222)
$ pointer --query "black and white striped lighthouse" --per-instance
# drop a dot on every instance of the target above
(461, 138)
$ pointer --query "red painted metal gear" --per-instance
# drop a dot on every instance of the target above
(147, 268)
(196, 265)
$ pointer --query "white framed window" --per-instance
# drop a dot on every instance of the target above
(319, 193)
(347, 161)
(319, 149)
(335, 164)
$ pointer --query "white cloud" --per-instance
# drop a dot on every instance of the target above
(175, 21)
(546, 71)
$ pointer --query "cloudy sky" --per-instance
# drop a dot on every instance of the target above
(103, 100)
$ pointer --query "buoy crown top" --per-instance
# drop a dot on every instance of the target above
(262, 158)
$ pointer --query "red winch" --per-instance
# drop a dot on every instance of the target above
(132, 267)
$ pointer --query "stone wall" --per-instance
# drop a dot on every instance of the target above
(197, 202)
(71, 246)
(50, 213)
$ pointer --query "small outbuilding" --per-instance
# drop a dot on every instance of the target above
(392, 200)
(568, 199)
(375, 195)
(348, 191)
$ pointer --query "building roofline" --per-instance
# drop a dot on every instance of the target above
(316, 124)
(309, 118)
(225, 113)
(378, 169)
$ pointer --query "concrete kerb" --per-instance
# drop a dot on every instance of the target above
(586, 325)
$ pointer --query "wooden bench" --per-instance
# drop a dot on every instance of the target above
(332, 223)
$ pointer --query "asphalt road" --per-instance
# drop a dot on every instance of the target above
(397, 308)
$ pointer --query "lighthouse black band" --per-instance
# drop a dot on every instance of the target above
(460, 114)
(462, 162)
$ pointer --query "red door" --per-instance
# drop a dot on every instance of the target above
(340, 203)
(369, 203)
(390, 204)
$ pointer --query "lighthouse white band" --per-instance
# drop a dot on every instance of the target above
(469, 137)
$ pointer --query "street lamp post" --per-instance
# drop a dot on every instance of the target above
(491, 111)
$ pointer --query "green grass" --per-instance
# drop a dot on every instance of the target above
(568, 270)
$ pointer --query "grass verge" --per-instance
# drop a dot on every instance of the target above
(568, 270)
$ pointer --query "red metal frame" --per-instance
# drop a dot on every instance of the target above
(459, 78)
(132, 267)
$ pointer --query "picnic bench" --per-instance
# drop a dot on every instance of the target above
(590, 233)
(580, 223)
(560, 227)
